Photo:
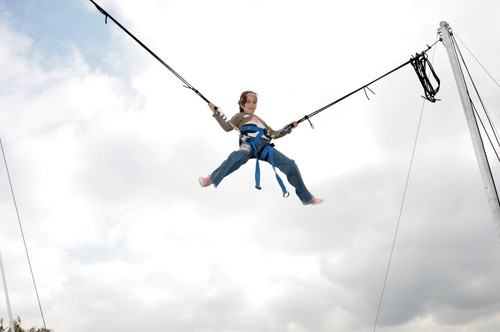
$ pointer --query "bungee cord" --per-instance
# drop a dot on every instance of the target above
(419, 62)
(186, 83)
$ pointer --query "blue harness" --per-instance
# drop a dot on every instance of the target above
(267, 152)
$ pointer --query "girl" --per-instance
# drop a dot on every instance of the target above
(255, 138)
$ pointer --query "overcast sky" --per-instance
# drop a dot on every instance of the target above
(104, 147)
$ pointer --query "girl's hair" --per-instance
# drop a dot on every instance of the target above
(243, 98)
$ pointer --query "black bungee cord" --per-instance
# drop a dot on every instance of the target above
(186, 83)
(419, 63)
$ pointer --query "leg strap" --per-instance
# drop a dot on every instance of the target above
(267, 151)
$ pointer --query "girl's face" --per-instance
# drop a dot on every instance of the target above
(250, 105)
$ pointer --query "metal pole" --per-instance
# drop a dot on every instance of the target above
(477, 142)
(7, 295)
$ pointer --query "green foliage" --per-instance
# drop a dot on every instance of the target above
(18, 328)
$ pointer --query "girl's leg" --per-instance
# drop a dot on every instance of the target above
(232, 163)
(290, 169)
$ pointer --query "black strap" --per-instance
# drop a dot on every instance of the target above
(420, 64)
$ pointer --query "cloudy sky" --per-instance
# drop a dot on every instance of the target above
(104, 147)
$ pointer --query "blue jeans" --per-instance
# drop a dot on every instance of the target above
(282, 162)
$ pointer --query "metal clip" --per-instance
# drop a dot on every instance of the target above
(220, 114)
(307, 118)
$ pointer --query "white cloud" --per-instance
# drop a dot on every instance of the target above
(105, 162)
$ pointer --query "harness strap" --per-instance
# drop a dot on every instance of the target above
(267, 151)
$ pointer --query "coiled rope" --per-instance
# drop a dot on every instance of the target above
(420, 63)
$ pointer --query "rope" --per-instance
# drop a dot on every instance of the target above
(400, 214)
(454, 34)
(398, 223)
(22, 235)
(490, 121)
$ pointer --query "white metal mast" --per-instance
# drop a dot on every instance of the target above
(484, 167)
(6, 294)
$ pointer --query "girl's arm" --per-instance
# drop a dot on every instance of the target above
(279, 133)
(226, 126)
